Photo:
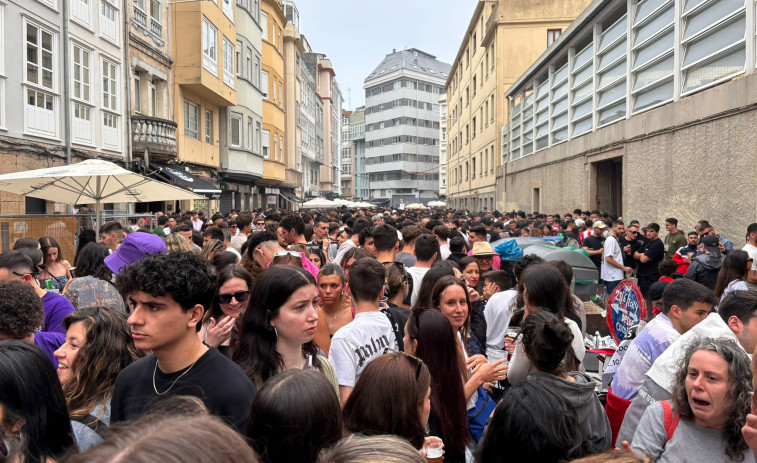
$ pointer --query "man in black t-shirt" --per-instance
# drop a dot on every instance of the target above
(167, 297)
(630, 242)
(649, 257)
(595, 243)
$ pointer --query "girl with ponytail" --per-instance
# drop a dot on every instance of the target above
(546, 340)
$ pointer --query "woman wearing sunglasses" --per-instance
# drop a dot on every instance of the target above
(277, 330)
(232, 299)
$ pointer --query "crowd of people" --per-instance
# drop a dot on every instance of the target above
(372, 336)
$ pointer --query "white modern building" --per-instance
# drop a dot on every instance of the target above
(402, 127)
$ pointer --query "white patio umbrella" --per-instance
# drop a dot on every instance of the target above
(437, 204)
(91, 181)
(416, 206)
(344, 202)
(320, 203)
(364, 204)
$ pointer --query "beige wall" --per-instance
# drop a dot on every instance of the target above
(692, 159)
(518, 32)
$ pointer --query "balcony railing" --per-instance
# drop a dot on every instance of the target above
(155, 134)
(140, 16)
(155, 27)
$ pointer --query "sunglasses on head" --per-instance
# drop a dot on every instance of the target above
(240, 296)
(288, 253)
(418, 362)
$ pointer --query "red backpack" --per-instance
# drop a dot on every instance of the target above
(671, 419)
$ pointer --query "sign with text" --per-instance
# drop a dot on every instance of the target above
(625, 308)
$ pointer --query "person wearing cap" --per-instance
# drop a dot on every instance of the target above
(594, 244)
(685, 254)
(649, 255)
(684, 305)
(135, 247)
(704, 268)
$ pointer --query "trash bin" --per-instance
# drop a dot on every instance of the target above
(586, 276)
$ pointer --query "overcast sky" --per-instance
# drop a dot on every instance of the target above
(357, 34)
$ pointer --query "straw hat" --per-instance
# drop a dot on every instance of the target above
(482, 248)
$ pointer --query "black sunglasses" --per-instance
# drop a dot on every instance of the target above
(240, 296)
(418, 362)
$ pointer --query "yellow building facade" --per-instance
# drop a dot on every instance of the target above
(203, 48)
(273, 22)
(504, 37)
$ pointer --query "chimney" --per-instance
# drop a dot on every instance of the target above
(394, 50)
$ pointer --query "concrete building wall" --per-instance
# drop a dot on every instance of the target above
(274, 122)
(691, 159)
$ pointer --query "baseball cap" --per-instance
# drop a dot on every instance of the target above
(135, 247)
(599, 224)
(711, 243)
(655, 291)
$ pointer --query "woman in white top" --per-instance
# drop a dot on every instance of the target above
(733, 273)
(543, 288)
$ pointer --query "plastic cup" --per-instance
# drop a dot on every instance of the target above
(434, 452)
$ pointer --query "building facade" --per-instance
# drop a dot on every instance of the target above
(402, 127)
(241, 126)
(443, 146)
(294, 46)
(204, 52)
(361, 185)
(320, 67)
(271, 186)
(347, 155)
(503, 38)
(629, 99)
(310, 125)
(62, 67)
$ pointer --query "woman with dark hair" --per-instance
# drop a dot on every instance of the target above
(350, 257)
(86, 237)
(532, 423)
(279, 325)
(392, 396)
(733, 273)
(219, 324)
(470, 270)
(450, 297)
(33, 403)
(92, 285)
(545, 342)
(542, 287)
(711, 397)
(293, 417)
(316, 256)
(430, 279)
(223, 259)
(56, 267)
(429, 336)
(98, 346)
(334, 308)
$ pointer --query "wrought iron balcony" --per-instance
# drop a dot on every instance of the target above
(154, 134)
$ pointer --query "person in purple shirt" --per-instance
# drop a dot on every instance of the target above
(21, 314)
(15, 266)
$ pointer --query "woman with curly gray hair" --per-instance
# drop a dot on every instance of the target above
(710, 401)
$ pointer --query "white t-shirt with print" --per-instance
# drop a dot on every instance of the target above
(497, 313)
(359, 342)
(612, 248)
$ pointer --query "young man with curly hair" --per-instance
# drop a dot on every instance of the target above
(167, 295)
